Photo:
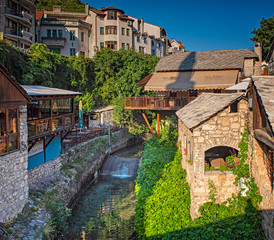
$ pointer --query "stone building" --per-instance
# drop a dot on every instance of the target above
(261, 117)
(75, 34)
(210, 129)
(17, 22)
(13, 147)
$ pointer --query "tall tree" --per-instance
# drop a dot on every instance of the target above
(264, 34)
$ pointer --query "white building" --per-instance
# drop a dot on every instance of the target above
(17, 22)
(77, 34)
(175, 46)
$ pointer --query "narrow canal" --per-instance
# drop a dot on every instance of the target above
(107, 209)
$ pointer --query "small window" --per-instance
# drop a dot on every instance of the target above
(101, 45)
(54, 33)
(101, 31)
(138, 38)
(145, 40)
(127, 31)
(234, 107)
(72, 35)
(82, 53)
(82, 36)
(49, 33)
(123, 31)
(123, 45)
(60, 33)
(72, 52)
(152, 42)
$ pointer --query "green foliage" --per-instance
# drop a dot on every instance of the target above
(167, 209)
(67, 5)
(151, 168)
(264, 34)
(212, 191)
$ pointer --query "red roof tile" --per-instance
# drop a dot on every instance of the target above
(39, 14)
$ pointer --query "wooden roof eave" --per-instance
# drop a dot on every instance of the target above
(13, 81)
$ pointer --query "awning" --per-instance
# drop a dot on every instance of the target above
(182, 81)
(240, 86)
(264, 137)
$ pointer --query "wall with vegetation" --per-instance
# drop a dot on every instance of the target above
(163, 200)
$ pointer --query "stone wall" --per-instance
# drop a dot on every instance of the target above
(248, 67)
(259, 172)
(48, 171)
(223, 129)
(14, 175)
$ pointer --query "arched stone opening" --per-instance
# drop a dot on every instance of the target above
(216, 156)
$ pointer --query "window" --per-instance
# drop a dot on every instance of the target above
(55, 50)
(217, 91)
(153, 53)
(48, 33)
(60, 33)
(101, 31)
(138, 38)
(112, 15)
(127, 31)
(61, 106)
(159, 45)
(141, 49)
(72, 36)
(111, 44)
(234, 107)
(101, 45)
(123, 45)
(123, 31)
(72, 52)
(9, 134)
(145, 40)
(54, 33)
(82, 53)
(111, 30)
(82, 36)
(152, 43)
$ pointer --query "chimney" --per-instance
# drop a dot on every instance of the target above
(258, 50)
(86, 8)
(142, 26)
(56, 8)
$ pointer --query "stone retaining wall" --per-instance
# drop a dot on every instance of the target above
(14, 175)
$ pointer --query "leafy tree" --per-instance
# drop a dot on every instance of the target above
(264, 34)
(67, 5)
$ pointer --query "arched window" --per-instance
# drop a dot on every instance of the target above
(216, 157)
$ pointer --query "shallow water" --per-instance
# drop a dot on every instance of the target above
(107, 209)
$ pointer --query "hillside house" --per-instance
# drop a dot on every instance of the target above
(13, 147)
(270, 59)
(210, 129)
(175, 46)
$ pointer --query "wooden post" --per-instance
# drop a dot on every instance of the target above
(148, 124)
(158, 124)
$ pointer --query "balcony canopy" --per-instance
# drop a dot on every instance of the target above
(183, 81)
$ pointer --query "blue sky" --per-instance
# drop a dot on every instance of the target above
(200, 25)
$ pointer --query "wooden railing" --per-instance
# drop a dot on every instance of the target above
(156, 103)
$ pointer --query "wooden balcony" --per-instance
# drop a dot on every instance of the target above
(156, 103)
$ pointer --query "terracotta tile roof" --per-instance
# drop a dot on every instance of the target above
(265, 89)
(136, 32)
(205, 60)
(181, 45)
(205, 106)
(126, 17)
(39, 14)
(97, 11)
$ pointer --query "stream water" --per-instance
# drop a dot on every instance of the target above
(107, 209)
